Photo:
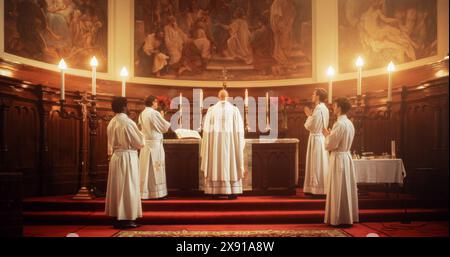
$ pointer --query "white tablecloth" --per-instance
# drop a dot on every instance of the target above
(378, 171)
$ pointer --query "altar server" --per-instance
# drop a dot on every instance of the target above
(222, 149)
(342, 194)
(123, 199)
(151, 159)
(316, 169)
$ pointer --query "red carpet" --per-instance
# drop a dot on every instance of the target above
(416, 229)
(374, 207)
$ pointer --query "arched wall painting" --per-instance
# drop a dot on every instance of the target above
(48, 30)
(200, 39)
(386, 30)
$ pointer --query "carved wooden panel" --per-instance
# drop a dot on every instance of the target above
(182, 168)
(63, 175)
(273, 168)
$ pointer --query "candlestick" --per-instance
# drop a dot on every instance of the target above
(94, 64)
(63, 67)
(359, 65)
(124, 75)
(330, 74)
(390, 69)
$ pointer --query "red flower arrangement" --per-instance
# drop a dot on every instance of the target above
(286, 101)
(163, 102)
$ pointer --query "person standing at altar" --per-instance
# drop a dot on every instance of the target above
(222, 149)
(152, 164)
(316, 169)
(123, 199)
(342, 194)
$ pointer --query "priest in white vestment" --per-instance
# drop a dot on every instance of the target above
(222, 149)
(342, 193)
(123, 198)
(152, 164)
(316, 169)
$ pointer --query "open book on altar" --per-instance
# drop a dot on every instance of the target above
(187, 134)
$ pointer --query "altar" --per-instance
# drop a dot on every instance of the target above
(271, 165)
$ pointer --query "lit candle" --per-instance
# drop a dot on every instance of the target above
(94, 64)
(330, 74)
(390, 69)
(124, 75)
(246, 98)
(63, 67)
(359, 65)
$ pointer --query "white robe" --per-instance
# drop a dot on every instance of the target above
(316, 169)
(123, 199)
(222, 149)
(342, 193)
(152, 164)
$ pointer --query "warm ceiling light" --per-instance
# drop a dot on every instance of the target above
(62, 65)
(359, 62)
(94, 62)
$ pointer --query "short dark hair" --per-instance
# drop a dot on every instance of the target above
(149, 100)
(322, 93)
(118, 104)
(344, 104)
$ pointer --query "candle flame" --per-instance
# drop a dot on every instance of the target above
(62, 65)
(359, 62)
(124, 72)
(391, 67)
(94, 62)
(331, 72)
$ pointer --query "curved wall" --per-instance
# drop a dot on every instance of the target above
(325, 45)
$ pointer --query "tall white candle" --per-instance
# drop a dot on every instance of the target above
(359, 65)
(330, 74)
(201, 99)
(63, 67)
(393, 154)
(124, 75)
(246, 98)
(181, 110)
(390, 69)
(267, 102)
(94, 64)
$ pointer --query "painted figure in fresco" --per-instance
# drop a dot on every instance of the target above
(282, 15)
(196, 53)
(221, 14)
(152, 59)
(262, 45)
(379, 32)
(31, 26)
(255, 39)
(238, 44)
(174, 40)
(48, 30)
